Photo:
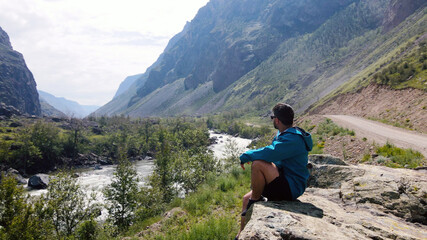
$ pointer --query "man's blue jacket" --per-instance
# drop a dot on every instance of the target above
(289, 151)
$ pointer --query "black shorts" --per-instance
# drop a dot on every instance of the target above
(278, 189)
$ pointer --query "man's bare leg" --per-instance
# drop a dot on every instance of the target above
(244, 205)
(262, 173)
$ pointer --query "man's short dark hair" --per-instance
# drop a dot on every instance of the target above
(284, 113)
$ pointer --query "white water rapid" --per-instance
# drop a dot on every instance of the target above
(96, 180)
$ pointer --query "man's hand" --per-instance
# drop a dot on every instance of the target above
(243, 165)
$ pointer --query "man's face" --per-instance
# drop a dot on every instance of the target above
(274, 122)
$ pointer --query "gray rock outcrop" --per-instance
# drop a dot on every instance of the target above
(39, 181)
(17, 84)
(18, 177)
(347, 202)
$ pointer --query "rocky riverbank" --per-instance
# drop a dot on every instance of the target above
(347, 202)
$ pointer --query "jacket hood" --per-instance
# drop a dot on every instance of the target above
(306, 136)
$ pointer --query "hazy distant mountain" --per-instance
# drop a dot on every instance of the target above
(68, 107)
(17, 85)
(250, 54)
(49, 111)
(125, 85)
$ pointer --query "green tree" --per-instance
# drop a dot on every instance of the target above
(46, 138)
(122, 195)
(67, 205)
(26, 154)
(192, 169)
(12, 201)
(18, 218)
(150, 202)
(75, 140)
(163, 166)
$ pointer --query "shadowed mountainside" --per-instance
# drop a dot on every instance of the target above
(17, 85)
(250, 54)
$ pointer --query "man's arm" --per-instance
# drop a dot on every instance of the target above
(278, 150)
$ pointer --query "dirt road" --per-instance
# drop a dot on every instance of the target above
(381, 133)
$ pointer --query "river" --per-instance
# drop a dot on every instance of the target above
(95, 180)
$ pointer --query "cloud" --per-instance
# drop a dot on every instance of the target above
(82, 50)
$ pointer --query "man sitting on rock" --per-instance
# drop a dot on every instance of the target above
(279, 171)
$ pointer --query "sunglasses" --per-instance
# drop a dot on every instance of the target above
(273, 117)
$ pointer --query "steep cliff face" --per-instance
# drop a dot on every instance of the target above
(252, 53)
(17, 85)
(227, 39)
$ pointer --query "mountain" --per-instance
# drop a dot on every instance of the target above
(250, 54)
(70, 108)
(49, 111)
(126, 84)
(129, 95)
(17, 84)
(395, 94)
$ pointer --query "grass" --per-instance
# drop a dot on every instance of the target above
(211, 212)
(213, 228)
(329, 128)
(394, 157)
(404, 124)
(400, 158)
(322, 131)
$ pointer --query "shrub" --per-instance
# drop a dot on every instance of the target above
(88, 230)
(67, 205)
(45, 137)
(18, 218)
(122, 195)
(329, 128)
(399, 157)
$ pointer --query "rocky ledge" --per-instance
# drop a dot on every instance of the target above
(347, 202)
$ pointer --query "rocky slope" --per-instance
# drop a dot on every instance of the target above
(406, 107)
(250, 54)
(17, 85)
(347, 202)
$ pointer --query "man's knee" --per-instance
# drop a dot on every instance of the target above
(261, 164)
(268, 169)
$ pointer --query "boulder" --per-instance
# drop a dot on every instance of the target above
(317, 217)
(97, 167)
(18, 177)
(326, 159)
(347, 202)
(103, 161)
(7, 138)
(8, 111)
(39, 181)
(97, 130)
(15, 124)
(56, 119)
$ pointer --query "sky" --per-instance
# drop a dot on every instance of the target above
(83, 49)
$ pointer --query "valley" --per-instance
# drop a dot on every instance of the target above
(167, 144)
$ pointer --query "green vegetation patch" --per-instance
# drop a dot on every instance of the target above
(410, 71)
(323, 131)
(229, 123)
(329, 128)
(400, 158)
